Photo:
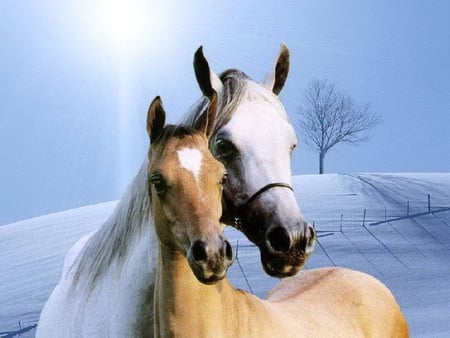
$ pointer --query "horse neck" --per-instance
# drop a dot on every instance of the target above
(183, 305)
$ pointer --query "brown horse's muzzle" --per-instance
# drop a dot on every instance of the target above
(210, 258)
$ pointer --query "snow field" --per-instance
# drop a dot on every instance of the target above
(409, 252)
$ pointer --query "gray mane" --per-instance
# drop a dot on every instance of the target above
(113, 239)
(234, 86)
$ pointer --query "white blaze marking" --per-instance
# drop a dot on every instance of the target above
(191, 159)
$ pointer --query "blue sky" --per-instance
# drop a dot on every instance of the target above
(77, 78)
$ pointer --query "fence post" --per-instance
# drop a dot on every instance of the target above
(407, 209)
(364, 218)
(385, 214)
(429, 203)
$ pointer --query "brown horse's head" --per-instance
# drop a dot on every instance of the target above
(185, 187)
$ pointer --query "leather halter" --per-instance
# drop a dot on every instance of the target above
(238, 209)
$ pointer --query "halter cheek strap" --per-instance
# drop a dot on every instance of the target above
(238, 209)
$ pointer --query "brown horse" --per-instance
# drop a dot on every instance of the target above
(185, 192)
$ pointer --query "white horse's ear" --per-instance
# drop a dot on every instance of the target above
(207, 80)
(156, 118)
(275, 80)
(205, 122)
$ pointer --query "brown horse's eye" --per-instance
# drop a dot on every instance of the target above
(159, 183)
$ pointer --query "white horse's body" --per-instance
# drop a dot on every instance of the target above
(102, 313)
(119, 303)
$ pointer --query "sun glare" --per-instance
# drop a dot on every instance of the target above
(125, 26)
(123, 23)
(122, 33)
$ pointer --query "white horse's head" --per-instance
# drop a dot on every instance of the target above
(254, 139)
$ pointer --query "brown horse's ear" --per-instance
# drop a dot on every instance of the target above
(275, 81)
(205, 122)
(207, 80)
(156, 118)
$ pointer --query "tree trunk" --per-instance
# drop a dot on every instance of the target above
(321, 158)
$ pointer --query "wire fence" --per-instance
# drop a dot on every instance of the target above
(376, 216)
(20, 331)
(378, 222)
(369, 220)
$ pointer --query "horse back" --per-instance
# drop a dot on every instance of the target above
(340, 300)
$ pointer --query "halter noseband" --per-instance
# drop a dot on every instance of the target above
(238, 210)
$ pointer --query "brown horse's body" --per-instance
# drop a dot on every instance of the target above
(328, 302)
(192, 295)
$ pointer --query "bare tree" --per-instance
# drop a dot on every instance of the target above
(329, 117)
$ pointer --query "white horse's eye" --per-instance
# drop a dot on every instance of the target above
(224, 178)
(225, 149)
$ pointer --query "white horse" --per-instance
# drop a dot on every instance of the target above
(254, 139)
(107, 285)
(186, 201)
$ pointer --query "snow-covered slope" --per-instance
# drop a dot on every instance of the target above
(377, 223)
(31, 259)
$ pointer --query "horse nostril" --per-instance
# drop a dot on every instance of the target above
(199, 251)
(228, 250)
(279, 239)
(312, 231)
(311, 238)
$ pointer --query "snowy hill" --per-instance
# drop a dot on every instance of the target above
(393, 226)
